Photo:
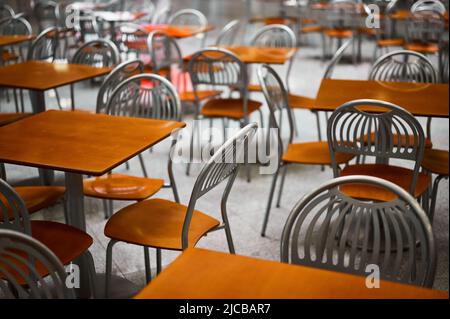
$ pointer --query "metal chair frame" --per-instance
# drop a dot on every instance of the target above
(46, 10)
(228, 34)
(45, 46)
(19, 254)
(329, 230)
(6, 11)
(190, 17)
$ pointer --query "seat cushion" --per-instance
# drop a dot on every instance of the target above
(436, 161)
(300, 102)
(122, 187)
(398, 175)
(426, 48)
(231, 108)
(157, 223)
(315, 153)
(40, 197)
(189, 96)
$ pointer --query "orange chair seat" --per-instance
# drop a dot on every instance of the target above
(426, 48)
(397, 175)
(339, 33)
(403, 140)
(157, 223)
(314, 153)
(301, 102)
(311, 29)
(436, 161)
(254, 88)
(122, 187)
(189, 96)
(137, 45)
(390, 42)
(40, 197)
(309, 21)
(163, 72)
(9, 56)
(230, 108)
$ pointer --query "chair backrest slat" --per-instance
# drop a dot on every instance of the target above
(45, 46)
(98, 53)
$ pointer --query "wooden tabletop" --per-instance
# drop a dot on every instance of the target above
(257, 55)
(6, 40)
(204, 274)
(179, 32)
(42, 76)
(8, 118)
(79, 142)
(429, 100)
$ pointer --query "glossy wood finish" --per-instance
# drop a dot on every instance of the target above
(42, 76)
(178, 32)
(7, 118)
(430, 100)
(6, 40)
(436, 161)
(204, 274)
(313, 153)
(40, 197)
(257, 55)
(230, 108)
(79, 142)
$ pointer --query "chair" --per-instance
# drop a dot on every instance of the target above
(47, 14)
(145, 96)
(190, 18)
(29, 270)
(328, 229)
(435, 162)
(311, 153)
(97, 53)
(444, 62)
(350, 131)
(66, 242)
(120, 73)
(228, 34)
(405, 66)
(44, 47)
(163, 224)
(6, 11)
(218, 68)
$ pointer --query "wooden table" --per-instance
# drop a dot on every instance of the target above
(203, 274)
(258, 55)
(429, 100)
(179, 32)
(7, 40)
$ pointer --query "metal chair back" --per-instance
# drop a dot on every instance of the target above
(47, 14)
(403, 66)
(188, 17)
(426, 23)
(336, 59)
(275, 36)
(6, 11)
(15, 26)
(13, 211)
(228, 34)
(221, 166)
(120, 73)
(350, 130)
(98, 53)
(45, 46)
(22, 261)
(329, 230)
(164, 51)
(428, 5)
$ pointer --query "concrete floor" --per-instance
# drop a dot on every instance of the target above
(247, 201)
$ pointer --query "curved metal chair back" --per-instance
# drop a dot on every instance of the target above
(164, 51)
(228, 34)
(45, 46)
(188, 17)
(329, 230)
(222, 165)
(120, 73)
(350, 130)
(147, 96)
(336, 58)
(98, 53)
(15, 26)
(342, 14)
(426, 23)
(428, 5)
(275, 36)
(13, 211)
(22, 261)
(161, 15)
(47, 14)
(6, 11)
(403, 66)
(444, 62)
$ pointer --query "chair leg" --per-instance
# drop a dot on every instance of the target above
(108, 266)
(2, 171)
(16, 102)
(72, 97)
(111, 207)
(158, 261)
(227, 228)
(58, 99)
(127, 166)
(92, 273)
(141, 160)
(319, 133)
(105, 208)
(269, 203)
(280, 190)
(434, 196)
(22, 103)
(148, 271)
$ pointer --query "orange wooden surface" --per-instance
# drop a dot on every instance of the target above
(429, 100)
(119, 16)
(178, 31)
(259, 55)
(7, 118)
(6, 40)
(42, 76)
(204, 274)
(79, 142)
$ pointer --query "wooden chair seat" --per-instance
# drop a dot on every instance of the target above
(189, 96)
(139, 45)
(40, 197)
(425, 48)
(309, 21)
(397, 175)
(157, 223)
(311, 29)
(339, 33)
(254, 88)
(230, 108)
(122, 187)
(8, 118)
(390, 42)
(369, 31)
(314, 153)
(8, 56)
(436, 161)
(301, 102)
(403, 140)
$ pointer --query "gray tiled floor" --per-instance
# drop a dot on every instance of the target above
(247, 201)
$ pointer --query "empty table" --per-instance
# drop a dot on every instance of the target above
(204, 274)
